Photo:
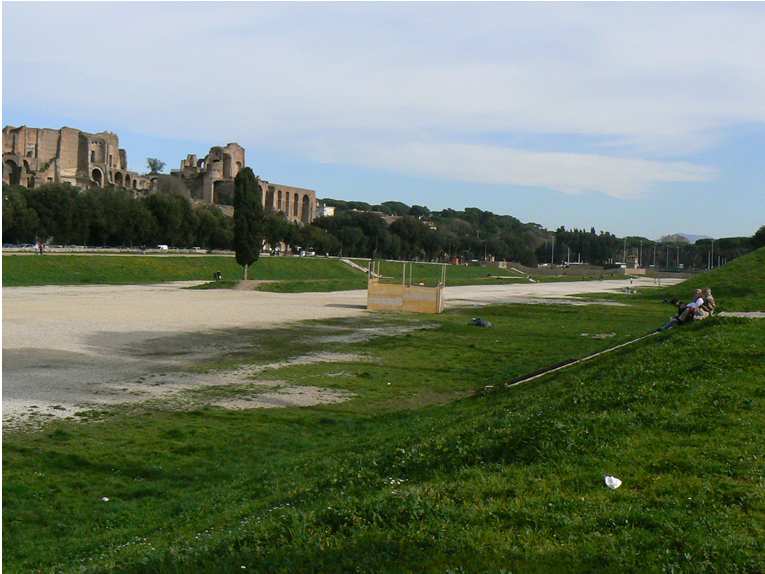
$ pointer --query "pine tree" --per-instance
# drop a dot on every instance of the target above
(248, 218)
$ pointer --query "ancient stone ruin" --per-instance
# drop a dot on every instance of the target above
(36, 156)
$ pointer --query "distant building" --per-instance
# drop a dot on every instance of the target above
(211, 179)
(296, 203)
(325, 211)
(36, 156)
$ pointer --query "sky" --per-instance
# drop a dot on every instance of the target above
(640, 119)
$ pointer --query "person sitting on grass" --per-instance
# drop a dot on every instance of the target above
(707, 308)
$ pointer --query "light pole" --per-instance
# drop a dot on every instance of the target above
(552, 253)
(624, 259)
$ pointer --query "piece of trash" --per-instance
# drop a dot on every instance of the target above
(105, 499)
(478, 322)
(612, 482)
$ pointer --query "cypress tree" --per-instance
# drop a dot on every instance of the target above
(248, 218)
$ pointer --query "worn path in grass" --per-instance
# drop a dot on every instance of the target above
(69, 345)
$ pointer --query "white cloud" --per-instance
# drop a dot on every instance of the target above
(565, 172)
(658, 83)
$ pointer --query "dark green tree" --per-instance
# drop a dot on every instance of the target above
(758, 240)
(248, 218)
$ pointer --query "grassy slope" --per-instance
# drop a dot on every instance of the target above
(737, 286)
(21, 270)
(507, 480)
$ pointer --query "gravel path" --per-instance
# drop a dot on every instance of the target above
(64, 346)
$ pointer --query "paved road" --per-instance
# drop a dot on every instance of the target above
(61, 342)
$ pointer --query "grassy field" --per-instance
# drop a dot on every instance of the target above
(289, 274)
(21, 270)
(433, 466)
(430, 274)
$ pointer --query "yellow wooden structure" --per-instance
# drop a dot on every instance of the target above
(404, 296)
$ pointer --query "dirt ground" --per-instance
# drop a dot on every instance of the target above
(68, 348)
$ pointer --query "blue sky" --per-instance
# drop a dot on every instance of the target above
(641, 119)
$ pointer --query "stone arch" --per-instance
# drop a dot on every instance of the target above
(305, 211)
(269, 198)
(135, 184)
(118, 179)
(11, 172)
(295, 205)
(127, 181)
(279, 204)
(97, 177)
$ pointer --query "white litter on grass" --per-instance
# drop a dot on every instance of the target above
(612, 482)
(104, 499)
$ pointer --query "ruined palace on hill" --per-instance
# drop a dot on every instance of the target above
(38, 156)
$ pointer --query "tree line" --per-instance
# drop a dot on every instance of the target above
(393, 230)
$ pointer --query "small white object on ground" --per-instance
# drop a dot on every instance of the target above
(612, 482)
(105, 499)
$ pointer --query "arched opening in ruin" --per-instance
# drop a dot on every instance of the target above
(11, 172)
(287, 204)
(201, 164)
(279, 206)
(118, 179)
(97, 177)
(295, 205)
(135, 184)
(127, 181)
(270, 198)
(305, 215)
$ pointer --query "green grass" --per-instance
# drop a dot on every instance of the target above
(491, 479)
(430, 274)
(25, 270)
(737, 286)
(294, 275)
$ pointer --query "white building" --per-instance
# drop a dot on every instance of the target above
(325, 211)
